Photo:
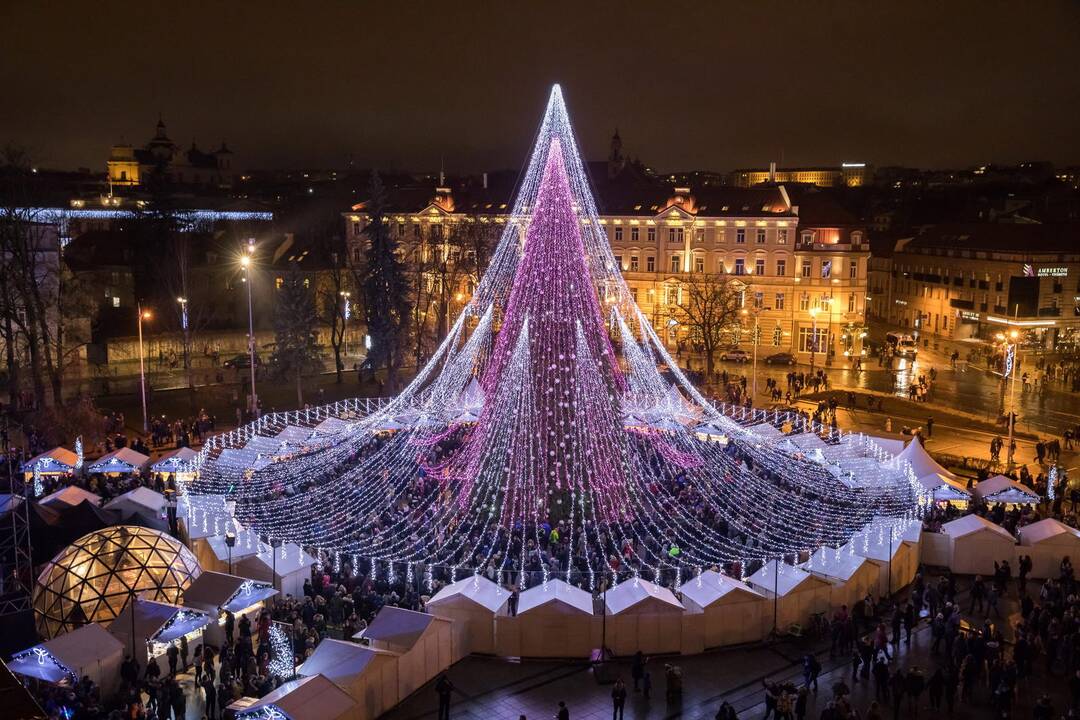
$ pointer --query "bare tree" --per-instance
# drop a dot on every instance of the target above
(463, 258)
(335, 297)
(709, 306)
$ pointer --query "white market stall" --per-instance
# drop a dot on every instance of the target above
(286, 567)
(70, 496)
(157, 625)
(58, 462)
(368, 676)
(217, 593)
(472, 603)
(554, 619)
(123, 461)
(896, 558)
(1003, 489)
(975, 543)
(643, 616)
(945, 488)
(792, 595)
(85, 651)
(174, 462)
(1047, 542)
(853, 577)
(245, 544)
(146, 504)
(921, 462)
(719, 611)
(422, 642)
(314, 697)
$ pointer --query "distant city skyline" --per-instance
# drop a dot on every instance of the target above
(729, 86)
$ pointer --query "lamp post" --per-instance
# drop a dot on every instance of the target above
(143, 315)
(245, 262)
(757, 340)
(1011, 357)
(346, 311)
(230, 543)
(813, 336)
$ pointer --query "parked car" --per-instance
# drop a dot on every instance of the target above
(241, 362)
(780, 359)
(735, 355)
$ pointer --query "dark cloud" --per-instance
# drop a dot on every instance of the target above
(402, 84)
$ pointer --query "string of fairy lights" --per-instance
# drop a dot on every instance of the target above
(528, 446)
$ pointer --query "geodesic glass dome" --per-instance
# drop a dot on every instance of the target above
(92, 579)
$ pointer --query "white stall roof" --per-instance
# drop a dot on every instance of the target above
(263, 445)
(557, 592)
(876, 543)
(920, 460)
(210, 524)
(969, 524)
(75, 650)
(339, 660)
(140, 499)
(710, 587)
(247, 543)
(294, 434)
(71, 495)
(893, 446)
(631, 592)
(476, 588)
(944, 486)
(199, 504)
(397, 626)
(119, 461)
(314, 697)
(779, 581)
(1004, 489)
(290, 558)
(237, 458)
(807, 441)
(835, 563)
(330, 426)
(152, 617)
(57, 460)
(1046, 529)
(170, 461)
(212, 590)
(766, 430)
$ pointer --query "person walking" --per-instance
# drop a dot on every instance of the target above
(930, 426)
(444, 689)
(618, 699)
(564, 712)
(936, 688)
(637, 670)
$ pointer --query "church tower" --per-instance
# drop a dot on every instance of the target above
(616, 162)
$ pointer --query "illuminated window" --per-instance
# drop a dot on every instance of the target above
(115, 301)
(652, 234)
(781, 236)
(635, 233)
(634, 262)
(761, 236)
(618, 261)
(740, 236)
(759, 266)
(778, 301)
(676, 263)
(618, 233)
(781, 268)
(401, 229)
(740, 266)
(851, 303)
(699, 264)
(278, 282)
(807, 267)
(853, 269)
(804, 302)
(650, 262)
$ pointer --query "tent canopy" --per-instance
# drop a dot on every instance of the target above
(969, 524)
(174, 460)
(558, 592)
(124, 460)
(294, 434)
(339, 659)
(633, 592)
(75, 650)
(1047, 529)
(141, 498)
(1004, 489)
(477, 589)
(158, 621)
(781, 580)
(71, 495)
(247, 543)
(314, 697)
(838, 564)
(398, 627)
(290, 558)
(330, 426)
(710, 587)
(58, 460)
(921, 462)
(944, 486)
(212, 591)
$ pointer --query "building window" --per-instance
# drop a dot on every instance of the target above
(633, 263)
(676, 263)
(115, 301)
(853, 269)
(781, 268)
(356, 255)
(416, 230)
(807, 266)
(633, 294)
(826, 269)
(618, 233)
(635, 233)
(808, 237)
(759, 266)
(436, 232)
(759, 300)
(856, 238)
(675, 235)
(804, 302)
(851, 303)
(811, 339)
(672, 295)
(781, 236)
(740, 266)
(356, 228)
(778, 301)
(699, 264)
(401, 229)
(740, 236)
(761, 236)
(650, 263)
(652, 234)
(618, 262)
(777, 335)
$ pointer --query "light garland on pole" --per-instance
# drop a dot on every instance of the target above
(527, 446)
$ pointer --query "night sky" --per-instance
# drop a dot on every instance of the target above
(400, 85)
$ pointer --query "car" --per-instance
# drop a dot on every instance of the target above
(240, 362)
(780, 359)
(735, 355)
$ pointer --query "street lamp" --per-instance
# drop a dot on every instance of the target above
(1010, 364)
(230, 543)
(245, 263)
(756, 339)
(143, 315)
(813, 336)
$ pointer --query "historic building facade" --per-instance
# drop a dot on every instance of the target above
(130, 166)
